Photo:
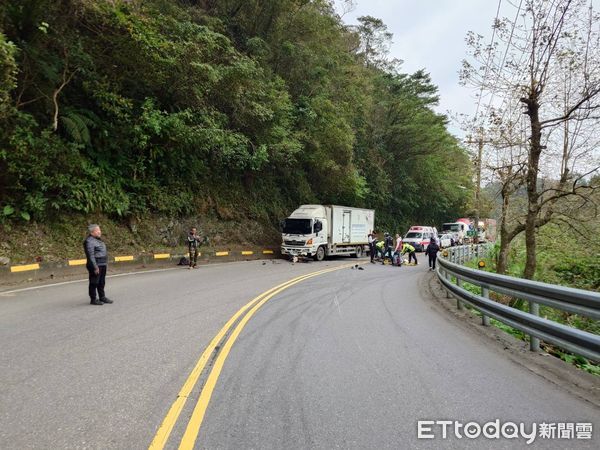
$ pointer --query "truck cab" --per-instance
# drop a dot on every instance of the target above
(457, 229)
(305, 231)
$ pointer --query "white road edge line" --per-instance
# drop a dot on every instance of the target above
(62, 283)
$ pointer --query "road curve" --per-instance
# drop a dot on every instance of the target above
(355, 358)
(348, 359)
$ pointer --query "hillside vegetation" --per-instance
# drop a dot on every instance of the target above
(237, 110)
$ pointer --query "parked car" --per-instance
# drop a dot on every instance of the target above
(446, 240)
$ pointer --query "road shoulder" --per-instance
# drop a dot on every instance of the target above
(566, 376)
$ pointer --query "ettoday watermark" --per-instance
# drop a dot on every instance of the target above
(433, 429)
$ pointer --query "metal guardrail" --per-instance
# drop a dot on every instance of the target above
(576, 301)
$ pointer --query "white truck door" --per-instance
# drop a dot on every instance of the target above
(346, 226)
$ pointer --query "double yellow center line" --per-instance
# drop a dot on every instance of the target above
(195, 422)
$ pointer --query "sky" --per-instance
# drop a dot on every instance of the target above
(430, 35)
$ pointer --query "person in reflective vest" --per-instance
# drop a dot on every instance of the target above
(407, 248)
(379, 246)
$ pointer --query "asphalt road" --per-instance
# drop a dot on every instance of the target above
(348, 359)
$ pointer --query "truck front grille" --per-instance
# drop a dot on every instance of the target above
(294, 243)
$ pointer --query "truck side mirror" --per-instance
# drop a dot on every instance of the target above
(281, 225)
(318, 226)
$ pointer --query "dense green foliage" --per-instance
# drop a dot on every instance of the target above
(172, 107)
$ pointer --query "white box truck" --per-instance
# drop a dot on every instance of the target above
(457, 229)
(317, 231)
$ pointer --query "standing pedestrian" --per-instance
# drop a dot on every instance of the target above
(388, 244)
(398, 249)
(432, 250)
(96, 264)
(372, 245)
(193, 241)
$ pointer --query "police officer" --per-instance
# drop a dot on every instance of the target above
(372, 249)
(97, 261)
(407, 248)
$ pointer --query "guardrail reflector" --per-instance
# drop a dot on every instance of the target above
(221, 253)
(123, 258)
(267, 252)
(77, 262)
(25, 267)
(245, 253)
(162, 255)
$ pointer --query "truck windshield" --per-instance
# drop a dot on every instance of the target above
(297, 226)
(451, 227)
(413, 235)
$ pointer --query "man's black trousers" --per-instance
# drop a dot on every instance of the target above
(97, 282)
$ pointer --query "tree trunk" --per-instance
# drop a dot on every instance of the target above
(535, 149)
(502, 261)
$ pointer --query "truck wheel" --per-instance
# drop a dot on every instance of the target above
(359, 252)
(320, 255)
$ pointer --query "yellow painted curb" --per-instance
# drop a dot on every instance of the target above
(123, 258)
(25, 268)
(247, 253)
(162, 256)
(77, 262)
(267, 252)
(222, 254)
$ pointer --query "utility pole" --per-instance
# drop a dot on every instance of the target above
(478, 166)
(478, 187)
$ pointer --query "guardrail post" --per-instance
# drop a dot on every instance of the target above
(485, 320)
(459, 304)
(447, 277)
(534, 343)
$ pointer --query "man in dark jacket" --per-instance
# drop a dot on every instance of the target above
(432, 250)
(97, 260)
(388, 243)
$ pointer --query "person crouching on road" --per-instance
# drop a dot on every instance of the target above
(193, 241)
(379, 248)
(96, 264)
(432, 250)
(407, 248)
